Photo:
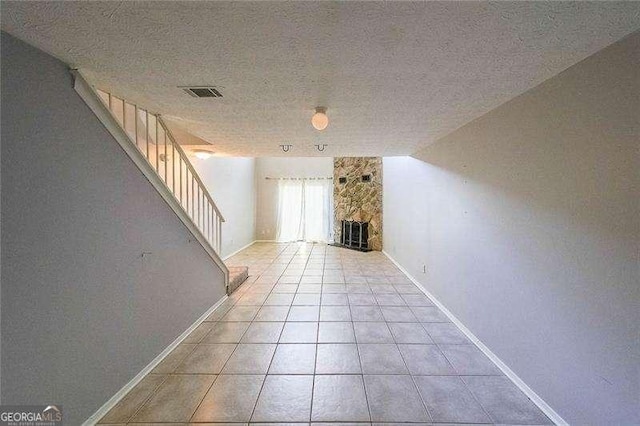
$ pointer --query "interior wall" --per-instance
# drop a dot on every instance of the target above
(98, 274)
(356, 199)
(231, 181)
(276, 167)
(0, 254)
(527, 223)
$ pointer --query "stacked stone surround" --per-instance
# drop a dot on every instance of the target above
(358, 200)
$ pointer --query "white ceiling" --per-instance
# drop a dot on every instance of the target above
(394, 76)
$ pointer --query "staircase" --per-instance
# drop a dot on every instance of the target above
(148, 141)
(237, 275)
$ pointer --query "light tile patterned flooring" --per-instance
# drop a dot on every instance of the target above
(323, 334)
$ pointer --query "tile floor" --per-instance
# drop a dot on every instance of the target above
(322, 334)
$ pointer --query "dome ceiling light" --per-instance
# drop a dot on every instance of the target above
(202, 154)
(320, 121)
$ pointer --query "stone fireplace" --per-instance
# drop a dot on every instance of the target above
(357, 196)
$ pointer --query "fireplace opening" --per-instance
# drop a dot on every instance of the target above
(355, 235)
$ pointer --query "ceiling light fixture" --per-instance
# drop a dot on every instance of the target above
(320, 121)
(321, 147)
(286, 148)
(202, 154)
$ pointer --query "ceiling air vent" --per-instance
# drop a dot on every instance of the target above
(203, 92)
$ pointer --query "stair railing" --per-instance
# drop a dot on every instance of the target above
(151, 137)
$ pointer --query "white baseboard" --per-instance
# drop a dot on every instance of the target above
(534, 397)
(95, 417)
(286, 242)
(239, 250)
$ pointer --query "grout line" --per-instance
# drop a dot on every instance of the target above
(234, 304)
(255, 405)
(151, 394)
(324, 374)
(459, 376)
(274, 352)
(473, 395)
(215, 379)
(246, 291)
(126, 389)
(366, 394)
(313, 383)
(546, 409)
(415, 385)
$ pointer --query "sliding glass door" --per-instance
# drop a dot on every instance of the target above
(305, 210)
(290, 210)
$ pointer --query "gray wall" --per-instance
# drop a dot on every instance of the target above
(231, 181)
(528, 222)
(83, 311)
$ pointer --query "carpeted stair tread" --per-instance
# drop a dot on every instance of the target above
(237, 275)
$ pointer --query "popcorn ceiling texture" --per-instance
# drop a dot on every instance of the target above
(358, 200)
(395, 76)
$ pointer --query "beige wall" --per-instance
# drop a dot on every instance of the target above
(231, 181)
(527, 222)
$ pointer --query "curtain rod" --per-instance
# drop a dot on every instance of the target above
(312, 178)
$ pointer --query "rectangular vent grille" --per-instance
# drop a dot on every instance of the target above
(203, 92)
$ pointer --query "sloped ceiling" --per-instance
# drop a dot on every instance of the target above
(394, 76)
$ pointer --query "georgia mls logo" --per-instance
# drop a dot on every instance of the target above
(52, 414)
(30, 415)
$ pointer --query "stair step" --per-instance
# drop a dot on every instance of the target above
(237, 275)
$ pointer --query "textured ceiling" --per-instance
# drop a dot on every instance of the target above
(394, 76)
